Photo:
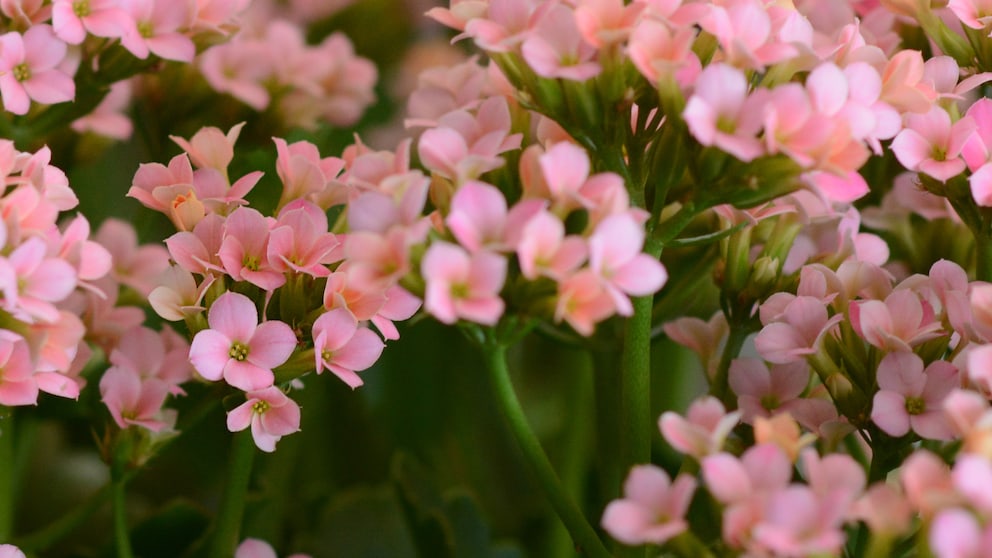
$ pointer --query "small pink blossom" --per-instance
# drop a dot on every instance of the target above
(721, 113)
(18, 386)
(901, 322)
(702, 431)
(932, 145)
(910, 397)
(615, 255)
(653, 507)
(341, 346)
(270, 414)
(73, 19)
(464, 286)
(133, 400)
(10, 551)
(29, 69)
(238, 348)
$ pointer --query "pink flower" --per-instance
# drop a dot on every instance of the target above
(910, 397)
(10, 551)
(555, 48)
(341, 346)
(136, 266)
(762, 392)
(133, 400)
(932, 145)
(211, 148)
(244, 250)
(31, 282)
(269, 412)
(237, 347)
(797, 333)
(544, 249)
(615, 255)
(256, 548)
(583, 301)
(703, 430)
(18, 386)
(653, 508)
(299, 241)
(465, 286)
(721, 113)
(29, 69)
(899, 323)
(72, 19)
(157, 23)
(956, 533)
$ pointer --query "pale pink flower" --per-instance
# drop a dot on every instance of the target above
(135, 266)
(615, 255)
(901, 322)
(256, 548)
(884, 509)
(927, 483)
(956, 533)
(341, 346)
(10, 551)
(29, 69)
(544, 249)
(605, 22)
(762, 392)
(976, 14)
(661, 53)
(145, 351)
(721, 113)
(234, 68)
(244, 250)
(478, 216)
(299, 241)
(583, 301)
(554, 48)
(270, 414)
(25, 13)
(32, 282)
(466, 145)
(464, 286)
(73, 19)
(797, 332)
(702, 431)
(797, 523)
(109, 118)
(302, 170)
(158, 24)
(746, 34)
(196, 251)
(133, 400)
(972, 476)
(910, 397)
(653, 507)
(932, 145)
(169, 190)
(701, 337)
(238, 348)
(18, 386)
(762, 470)
(211, 148)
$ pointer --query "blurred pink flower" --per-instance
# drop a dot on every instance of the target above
(910, 397)
(653, 507)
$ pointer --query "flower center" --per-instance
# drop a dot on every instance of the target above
(326, 355)
(145, 29)
(459, 290)
(260, 407)
(769, 402)
(81, 8)
(22, 72)
(250, 262)
(915, 405)
(238, 351)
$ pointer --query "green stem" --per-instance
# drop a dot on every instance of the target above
(122, 541)
(635, 386)
(580, 529)
(720, 388)
(227, 531)
(7, 467)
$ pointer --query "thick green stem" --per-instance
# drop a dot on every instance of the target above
(582, 532)
(7, 466)
(122, 541)
(227, 531)
(635, 386)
